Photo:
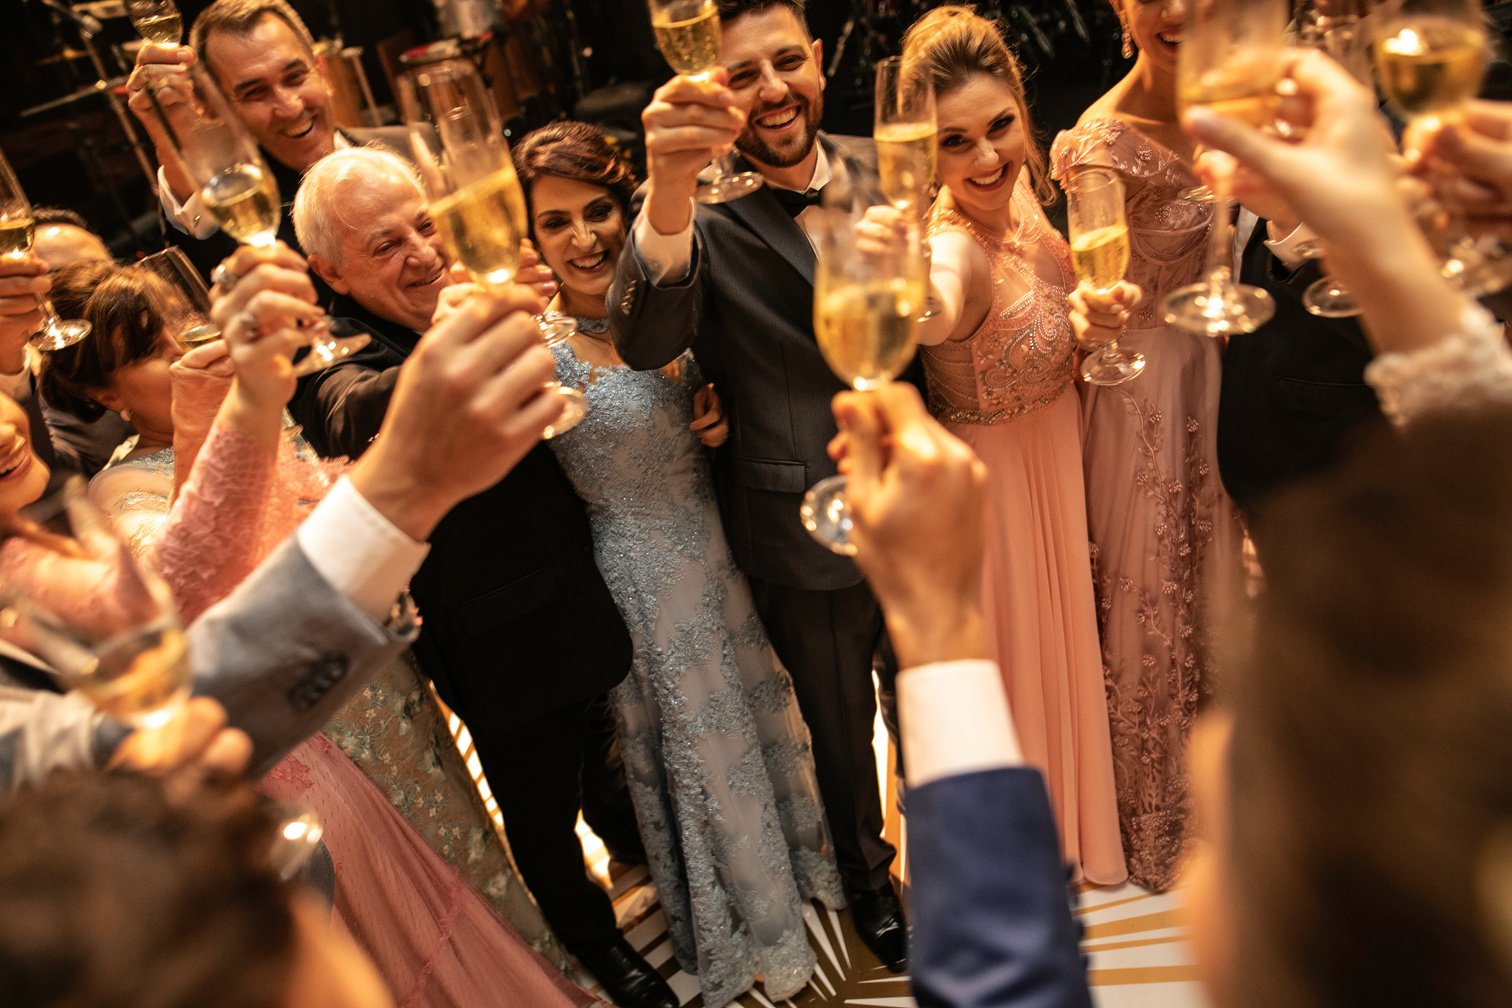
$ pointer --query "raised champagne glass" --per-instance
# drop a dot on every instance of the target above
(474, 196)
(234, 183)
(17, 229)
(1100, 255)
(185, 298)
(1229, 62)
(905, 135)
(867, 302)
(687, 33)
(156, 20)
(1430, 58)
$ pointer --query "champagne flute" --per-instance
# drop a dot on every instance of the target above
(687, 33)
(186, 299)
(1229, 62)
(1100, 254)
(218, 154)
(156, 21)
(867, 302)
(905, 135)
(475, 198)
(16, 233)
(1430, 60)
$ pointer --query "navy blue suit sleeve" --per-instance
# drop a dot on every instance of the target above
(992, 925)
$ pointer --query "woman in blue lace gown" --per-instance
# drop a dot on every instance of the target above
(716, 753)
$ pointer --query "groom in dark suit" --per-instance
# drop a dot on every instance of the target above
(735, 282)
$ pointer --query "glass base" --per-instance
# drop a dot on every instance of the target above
(574, 408)
(1327, 298)
(1202, 309)
(1478, 271)
(1197, 194)
(1106, 369)
(60, 333)
(729, 187)
(826, 514)
(325, 352)
(555, 330)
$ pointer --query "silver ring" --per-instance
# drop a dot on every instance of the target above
(224, 278)
(249, 322)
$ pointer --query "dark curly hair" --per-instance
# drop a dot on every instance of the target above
(576, 151)
(126, 309)
(117, 893)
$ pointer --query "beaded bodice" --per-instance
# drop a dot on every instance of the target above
(1020, 359)
(1167, 234)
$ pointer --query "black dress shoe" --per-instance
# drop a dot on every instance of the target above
(879, 922)
(628, 980)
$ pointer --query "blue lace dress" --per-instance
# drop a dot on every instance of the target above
(716, 753)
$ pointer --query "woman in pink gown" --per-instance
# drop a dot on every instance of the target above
(1166, 536)
(998, 358)
(435, 941)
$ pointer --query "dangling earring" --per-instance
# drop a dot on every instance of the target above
(1128, 43)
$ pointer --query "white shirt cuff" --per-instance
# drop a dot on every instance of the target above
(190, 216)
(1286, 249)
(356, 549)
(666, 258)
(954, 719)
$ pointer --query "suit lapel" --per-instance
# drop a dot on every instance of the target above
(761, 212)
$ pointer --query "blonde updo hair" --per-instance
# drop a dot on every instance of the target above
(951, 44)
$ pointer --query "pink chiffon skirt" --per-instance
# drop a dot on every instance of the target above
(1037, 593)
(434, 940)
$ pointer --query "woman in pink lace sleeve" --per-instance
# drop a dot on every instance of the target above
(1166, 537)
(435, 941)
(998, 359)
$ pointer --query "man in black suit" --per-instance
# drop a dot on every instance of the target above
(735, 282)
(520, 636)
(262, 55)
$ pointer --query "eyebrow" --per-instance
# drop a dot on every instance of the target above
(1007, 111)
(785, 50)
(293, 64)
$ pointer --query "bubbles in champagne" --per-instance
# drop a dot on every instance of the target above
(165, 29)
(1101, 256)
(479, 224)
(244, 201)
(687, 33)
(906, 161)
(1428, 65)
(866, 330)
(15, 235)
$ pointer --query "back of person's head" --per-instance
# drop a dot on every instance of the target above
(125, 311)
(63, 237)
(1371, 761)
(116, 892)
(239, 17)
(729, 10)
(950, 45)
(576, 151)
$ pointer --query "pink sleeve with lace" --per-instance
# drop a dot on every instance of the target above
(209, 542)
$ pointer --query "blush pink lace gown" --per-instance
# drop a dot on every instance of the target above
(1166, 537)
(1006, 391)
(436, 942)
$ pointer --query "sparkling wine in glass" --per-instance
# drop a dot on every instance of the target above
(867, 303)
(905, 135)
(1100, 255)
(235, 184)
(1229, 62)
(687, 33)
(475, 197)
(156, 20)
(17, 229)
(1430, 60)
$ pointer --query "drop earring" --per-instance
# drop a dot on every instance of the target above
(1128, 43)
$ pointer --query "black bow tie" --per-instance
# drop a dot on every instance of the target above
(795, 202)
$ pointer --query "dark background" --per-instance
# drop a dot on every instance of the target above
(76, 153)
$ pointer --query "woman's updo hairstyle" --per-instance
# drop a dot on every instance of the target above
(950, 45)
(576, 151)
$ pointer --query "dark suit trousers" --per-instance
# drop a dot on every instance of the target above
(827, 639)
(534, 770)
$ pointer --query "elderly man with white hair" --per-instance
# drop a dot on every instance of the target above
(521, 637)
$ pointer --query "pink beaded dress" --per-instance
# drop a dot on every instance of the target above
(1166, 538)
(435, 940)
(1006, 391)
